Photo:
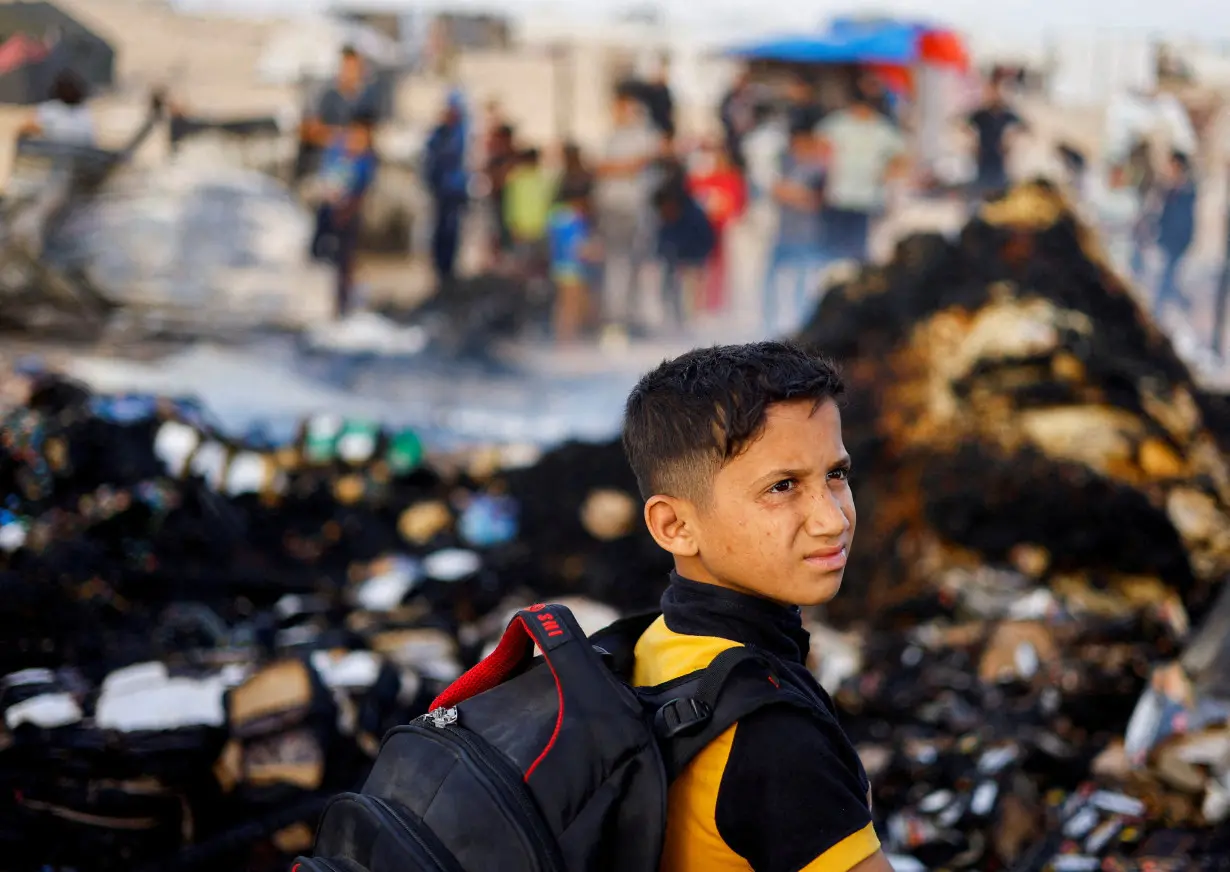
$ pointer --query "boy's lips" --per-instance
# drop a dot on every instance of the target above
(828, 559)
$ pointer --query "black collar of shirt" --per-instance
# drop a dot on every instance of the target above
(697, 609)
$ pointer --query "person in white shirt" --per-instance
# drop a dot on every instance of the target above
(863, 151)
(65, 118)
(626, 180)
(1114, 204)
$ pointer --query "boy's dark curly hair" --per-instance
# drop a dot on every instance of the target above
(690, 416)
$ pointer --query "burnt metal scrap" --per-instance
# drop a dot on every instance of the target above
(206, 637)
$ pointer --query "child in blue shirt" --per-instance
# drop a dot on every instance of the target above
(346, 173)
(572, 246)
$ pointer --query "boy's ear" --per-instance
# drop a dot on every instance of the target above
(671, 521)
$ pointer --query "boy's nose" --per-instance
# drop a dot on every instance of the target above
(827, 518)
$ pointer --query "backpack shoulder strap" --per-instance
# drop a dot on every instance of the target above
(692, 712)
(617, 642)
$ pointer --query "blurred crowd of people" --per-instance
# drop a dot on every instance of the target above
(591, 225)
(652, 211)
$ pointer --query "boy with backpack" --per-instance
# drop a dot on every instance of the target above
(555, 752)
(738, 453)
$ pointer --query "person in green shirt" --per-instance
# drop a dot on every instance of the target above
(527, 205)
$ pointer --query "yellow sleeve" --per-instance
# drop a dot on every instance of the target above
(848, 853)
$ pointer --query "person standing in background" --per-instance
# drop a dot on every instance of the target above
(573, 250)
(489, 129)
(626, 181)
(501, 158)
(448, 182)
(65, 117)
(994, 125)
(864, 151)
(737, 116)
(685, 242)
(719, 188)
(575, 173)
(763, 149)
(1176, 228)
(346, 173)
(1115, 208)
(879, 96)
(659, 102)
(797, 195)
(804, 109)
(527, 207)
(351, 92)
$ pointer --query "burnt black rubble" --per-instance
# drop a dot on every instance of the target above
(206, 639)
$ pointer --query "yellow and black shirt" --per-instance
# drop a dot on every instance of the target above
(782, 790)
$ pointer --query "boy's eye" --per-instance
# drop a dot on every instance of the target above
(842, 474)
(783, 486)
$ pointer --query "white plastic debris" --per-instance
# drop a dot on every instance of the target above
(146, 697)
(385, 592)
(173, 444)
(354, 670)
(47, 710)
(451, 564)
(247, 473)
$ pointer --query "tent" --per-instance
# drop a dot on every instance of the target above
(37, 41)
(876, 43)
(921, 61)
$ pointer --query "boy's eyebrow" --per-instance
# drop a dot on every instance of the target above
(842, 462)
(779, 474)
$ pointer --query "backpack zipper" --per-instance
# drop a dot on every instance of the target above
(386, 812)
(497, 770)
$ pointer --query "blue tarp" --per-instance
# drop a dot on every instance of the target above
(846, 41)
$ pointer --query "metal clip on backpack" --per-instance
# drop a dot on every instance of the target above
(539, 764)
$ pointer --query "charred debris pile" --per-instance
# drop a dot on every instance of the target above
(1045, 517)
(205, 639)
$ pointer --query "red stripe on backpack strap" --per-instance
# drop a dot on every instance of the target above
(492, 670)
(559, 717)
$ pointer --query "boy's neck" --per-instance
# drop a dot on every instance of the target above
(688, 571)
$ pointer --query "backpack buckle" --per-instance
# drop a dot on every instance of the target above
(680, 715)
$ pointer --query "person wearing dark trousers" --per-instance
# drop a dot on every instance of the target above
(448, 182)
(1176, 227)
(994, 125)
(346, 172)
(686, 240)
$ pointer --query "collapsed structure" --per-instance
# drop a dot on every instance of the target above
(206, 639)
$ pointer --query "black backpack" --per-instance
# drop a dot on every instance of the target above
(540, 763)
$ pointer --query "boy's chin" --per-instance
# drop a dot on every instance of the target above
(810, 592)
(817, 591)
